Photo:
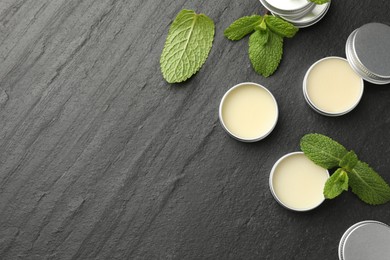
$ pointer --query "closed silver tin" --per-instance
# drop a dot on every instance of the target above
(368, 52)
(366, 240)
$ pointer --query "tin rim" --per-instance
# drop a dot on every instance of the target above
(271, 185)
(247, 140)
(322, 111)
(349, 231)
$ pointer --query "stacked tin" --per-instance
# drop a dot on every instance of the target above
(300, 13)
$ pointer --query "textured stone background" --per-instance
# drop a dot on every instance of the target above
(100, 158)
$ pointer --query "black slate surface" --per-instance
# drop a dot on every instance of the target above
(100, 158)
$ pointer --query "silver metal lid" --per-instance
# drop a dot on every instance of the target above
(366, 240)
(368, 52)
(372, 47)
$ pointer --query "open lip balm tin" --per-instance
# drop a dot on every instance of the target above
(297, 183)
(331, 87)
(365, 240)
(288, 8)
(338, 91)
(248, 112)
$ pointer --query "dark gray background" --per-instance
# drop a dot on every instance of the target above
(100, 158)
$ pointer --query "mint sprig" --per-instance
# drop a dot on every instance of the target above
(187, 46)
(364, 181)
(266, 41)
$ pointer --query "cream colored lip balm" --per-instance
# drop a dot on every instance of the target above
(248, 112)
(297, 183)
(331, 87)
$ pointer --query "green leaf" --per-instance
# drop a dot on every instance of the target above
(319, 2)
(368, 185)
(349, 161)
(280, 26)
(187, 46)
(265, 58)
(241, 27)
(322, 150)
(336, 184)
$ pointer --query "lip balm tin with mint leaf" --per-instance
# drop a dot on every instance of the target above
(293, 9)
(365, 240)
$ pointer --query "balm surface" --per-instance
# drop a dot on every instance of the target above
(249, 111)
(299, 183)
(332, 86)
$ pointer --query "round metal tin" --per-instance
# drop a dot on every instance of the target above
(368, 52)
(271, 185)
(316, 108)
(365, 240)
(312, 17)
(236, 136)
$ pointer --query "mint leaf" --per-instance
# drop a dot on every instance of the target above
(265, 58)
(368, 185)
(336, 184)
(349, 161)
(280, 26)
(319, 2)
(241, 27)
(187, 46)
(322, 150)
